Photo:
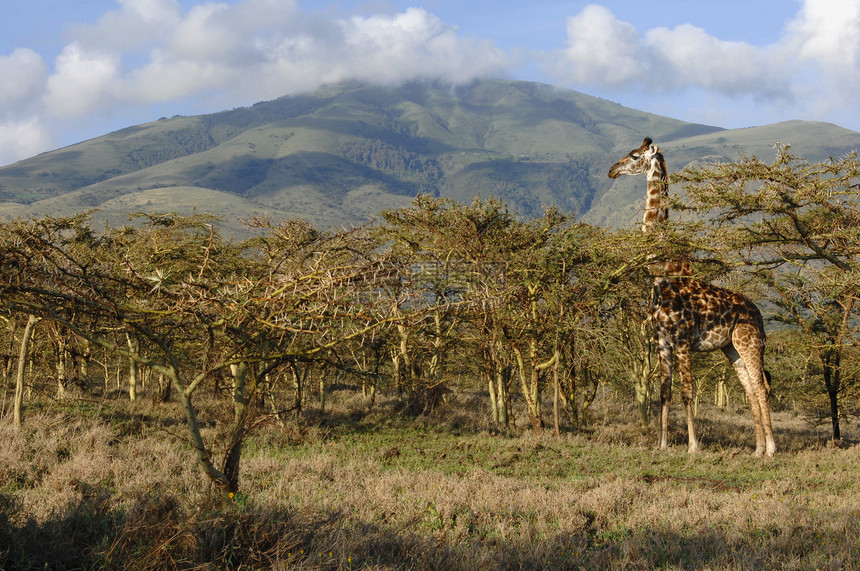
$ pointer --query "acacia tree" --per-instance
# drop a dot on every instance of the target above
(431, 285)
(321, 290)
(195, 305)
(515, 291)
(626, 337)
(797, 225)
(483, 235)
(151, 285)
(552, 289)
(478, 239)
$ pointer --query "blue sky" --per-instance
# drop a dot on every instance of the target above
(76, 69)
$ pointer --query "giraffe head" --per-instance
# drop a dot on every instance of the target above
(644, 159)
(649, 160)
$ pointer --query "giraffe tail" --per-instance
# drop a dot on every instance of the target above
(766, 378)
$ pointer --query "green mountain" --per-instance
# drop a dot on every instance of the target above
(342, 154)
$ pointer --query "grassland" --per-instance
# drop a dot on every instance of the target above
(102, 483)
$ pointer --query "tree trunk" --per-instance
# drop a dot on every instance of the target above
(503, 394)
(407, 370)
(273, 403)
(530, 390)
(642, 387)
(84, 365)
(132, 369)
(22, 365)
(834, 414)
(830, 358)
(299, 375)
(530, 380)
(397, 374)
(584, 401)
(7, 366)
(62, 374)
(436, 366)
(164, 388)
(830, 363)
(203, 457)
(498, 378)
(720, 397)
(240, 406)
(555, 398)
(491, 389)
(642, 376)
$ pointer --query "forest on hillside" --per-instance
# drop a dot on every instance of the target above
(435, 297)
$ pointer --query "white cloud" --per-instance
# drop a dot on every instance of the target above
(603, 50)
(691, 57)
(136, 25)
(24, 76)
(827, 32)
(168, 78)
(19, 139)
(257, 49)
(83, 81)
(825, 40)
(205, 35)
(813, 71)
(415, 45)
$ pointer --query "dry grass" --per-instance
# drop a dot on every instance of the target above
(108, 486)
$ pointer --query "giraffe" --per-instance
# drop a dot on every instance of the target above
(689, 315)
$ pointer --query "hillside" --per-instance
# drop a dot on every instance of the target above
(344, 153)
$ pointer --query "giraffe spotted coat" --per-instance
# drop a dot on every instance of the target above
(690, 315)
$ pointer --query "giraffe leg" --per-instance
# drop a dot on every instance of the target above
(755, 407)
(665, 353)
(685, 371)
(751, 375)
(763, 394)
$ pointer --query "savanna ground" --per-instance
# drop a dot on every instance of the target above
(100, 483)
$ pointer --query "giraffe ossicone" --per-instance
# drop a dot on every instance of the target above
(690, 315)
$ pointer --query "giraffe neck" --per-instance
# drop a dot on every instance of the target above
(655, 212)
(658, 189)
